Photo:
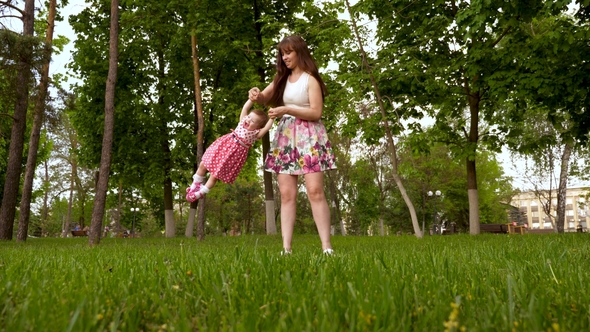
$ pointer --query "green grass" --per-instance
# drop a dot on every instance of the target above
(483, 283)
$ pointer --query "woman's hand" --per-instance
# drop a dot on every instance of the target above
(277, 112)
(253, 94)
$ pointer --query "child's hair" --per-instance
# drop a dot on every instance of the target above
(263, 116)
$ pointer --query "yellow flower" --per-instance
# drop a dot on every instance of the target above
(275, 152)
(301, 162)
(367, 317)
(452, 324)
(175, 287)
(288, 132)
(99, 317)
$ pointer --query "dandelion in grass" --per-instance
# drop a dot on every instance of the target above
(452, 324)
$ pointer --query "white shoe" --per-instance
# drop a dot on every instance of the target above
(329, 251)
(285, 252)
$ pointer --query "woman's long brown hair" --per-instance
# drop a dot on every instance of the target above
(306, 63)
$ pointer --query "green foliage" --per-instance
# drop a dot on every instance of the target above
(555, 73)
(491, 282)
(155, 87)
(366, 201)
(439, 169)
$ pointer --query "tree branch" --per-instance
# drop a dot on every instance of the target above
(7, 115)
(11, 16)
(7, 4)
(465, 132)
(401, 10)
(501, 36)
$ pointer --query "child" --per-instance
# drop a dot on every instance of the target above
(225, 158)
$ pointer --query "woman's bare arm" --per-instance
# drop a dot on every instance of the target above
(316, 105)
(263, 97)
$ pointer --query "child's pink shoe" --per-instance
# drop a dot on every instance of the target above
(195, 186)
(194, 195)
(192, 190)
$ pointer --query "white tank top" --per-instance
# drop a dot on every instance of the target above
(295, 94)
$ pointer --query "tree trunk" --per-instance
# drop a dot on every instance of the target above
(80, 192)
(25, 201)
(109, 124)
(19, 125)
(562, 189)
(269, 200)
(391, 142)
(66, 228)
(336, 204)
(199, 130)
(165, 146)
(45, 211)
(74, 176)
(472, 192)
(119, 208)
(201, 219)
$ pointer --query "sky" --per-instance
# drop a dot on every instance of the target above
(59, 63)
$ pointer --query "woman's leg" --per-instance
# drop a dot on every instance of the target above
(288, 189)
(314, 183)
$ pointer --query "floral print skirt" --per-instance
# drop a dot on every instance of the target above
(300, 147)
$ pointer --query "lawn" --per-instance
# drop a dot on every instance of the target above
(460, 282)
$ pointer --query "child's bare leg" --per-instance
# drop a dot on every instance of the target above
(204, 189)
(200, 174)
(210, 183)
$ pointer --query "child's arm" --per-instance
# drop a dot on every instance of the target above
(245, 109)
(266, 128)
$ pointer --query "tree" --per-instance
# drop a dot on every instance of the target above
(554, 88)
(14, 165)
(199, 132)
(25, 203)
(436, 167)
(451, 62)
(390, 142)
(107, 141)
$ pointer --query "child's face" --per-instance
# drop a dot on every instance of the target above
(253, 122)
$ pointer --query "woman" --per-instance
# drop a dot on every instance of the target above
(300, 146)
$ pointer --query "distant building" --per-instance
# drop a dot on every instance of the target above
(577, 208)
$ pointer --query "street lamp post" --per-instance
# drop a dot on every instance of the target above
(133, 223)
(435, 227)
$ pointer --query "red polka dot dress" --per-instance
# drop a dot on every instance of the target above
(225, 158)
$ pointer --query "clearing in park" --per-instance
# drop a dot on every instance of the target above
(452, 283)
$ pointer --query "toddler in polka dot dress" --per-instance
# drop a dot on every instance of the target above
(225, 158)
